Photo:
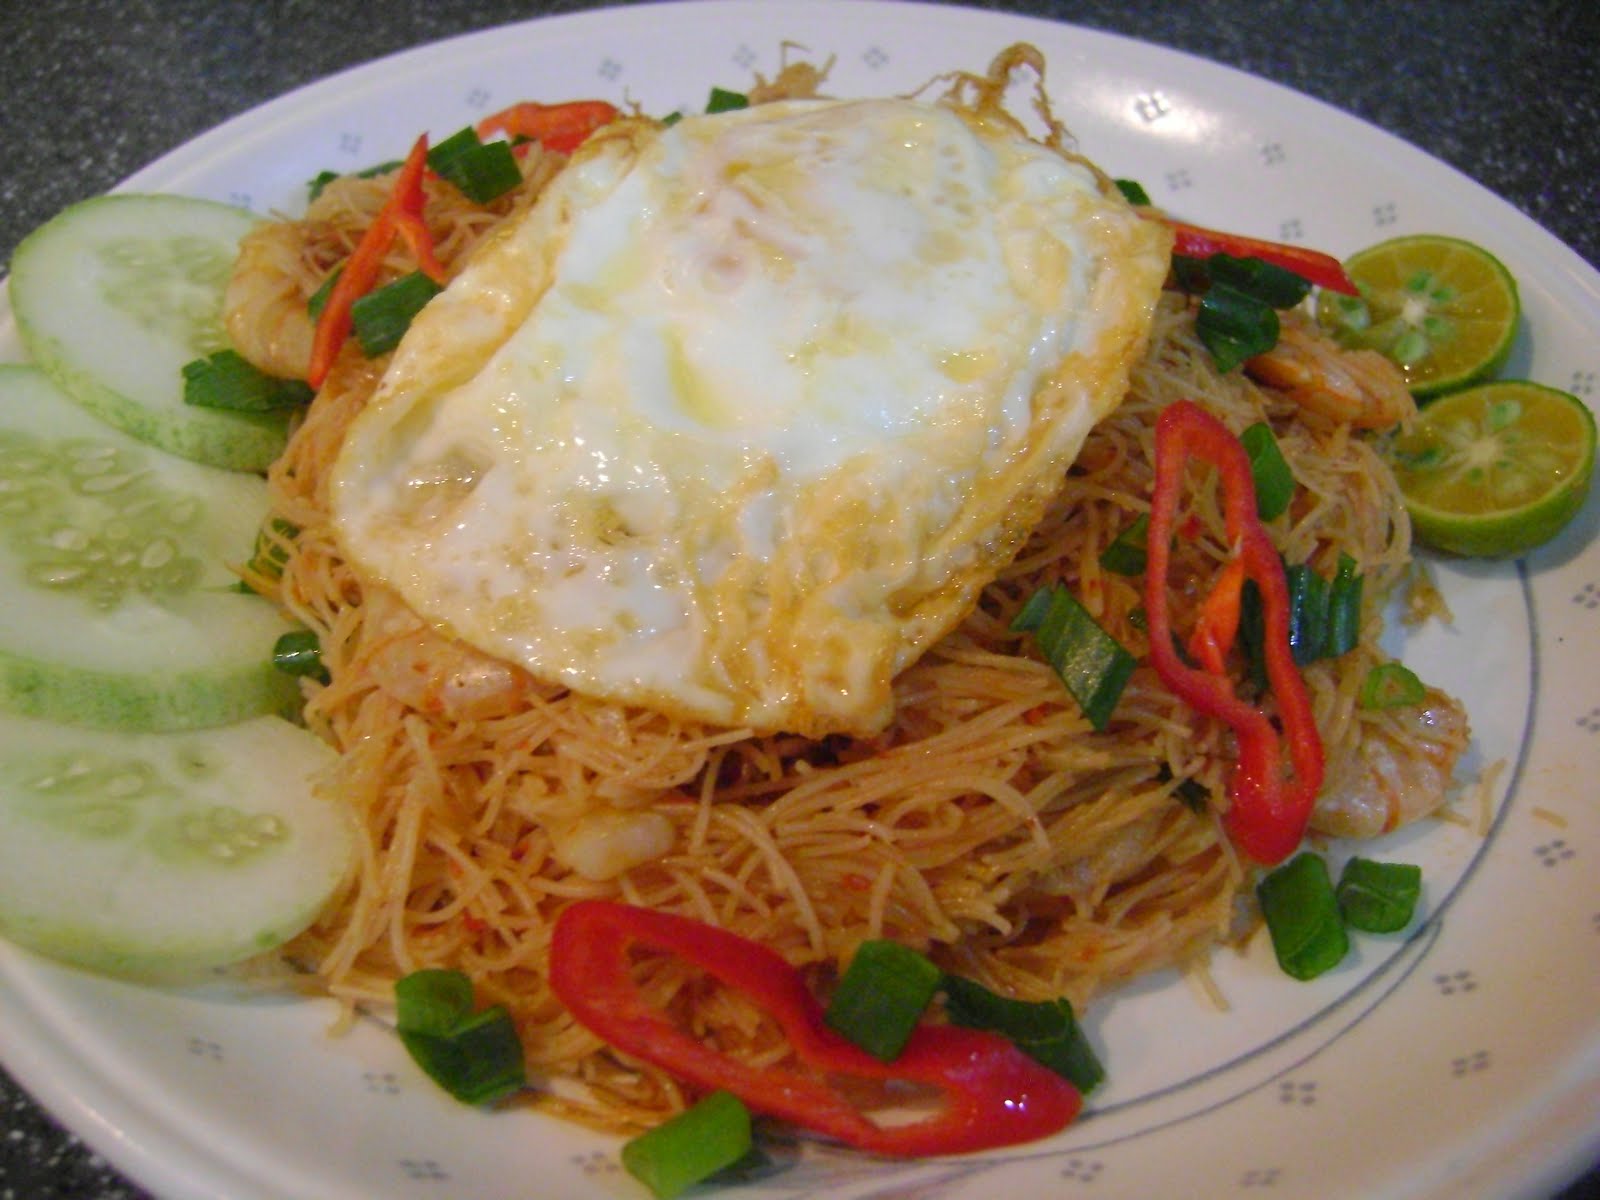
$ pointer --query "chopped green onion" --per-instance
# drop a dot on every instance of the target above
(1344, 610)
(1133, 192)
(1253, 634)
(1045, 1031)
(319, 298)
(1378, 897)
(268, 556)
(691, 1147)
(1324, 616)
(481, 170)
(1273, 479)
(381, 317)
(319, 181)
(1126, 555)
(1190, 274)
(671, 119)
(1391, 685)
(882, 996)
(722, 100)
(475, 1056)
(298, 652)
(1196, 797)
(1092, 664)
(1239, 298)
(1308, 612)
(1267, 282)
(323, 178)
(1303, 917)
(1234, 326)
(227, 380)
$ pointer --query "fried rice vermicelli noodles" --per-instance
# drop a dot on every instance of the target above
(989, 825)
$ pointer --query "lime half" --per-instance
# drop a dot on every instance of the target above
(1444, 309)
(1495, 470)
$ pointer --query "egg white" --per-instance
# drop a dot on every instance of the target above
(742, 414)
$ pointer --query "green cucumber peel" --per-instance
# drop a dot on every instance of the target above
(120, 609)
(114, 295)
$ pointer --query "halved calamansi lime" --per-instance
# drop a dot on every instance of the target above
(1495, 470)
(1444, 309)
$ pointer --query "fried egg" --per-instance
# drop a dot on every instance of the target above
(743, 413)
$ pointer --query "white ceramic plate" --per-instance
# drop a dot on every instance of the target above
(1460, 1059)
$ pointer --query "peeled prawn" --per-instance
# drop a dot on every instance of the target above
(1400, 773)
(437, 675)
(1361, 387)
(264, 305)
(606, 842)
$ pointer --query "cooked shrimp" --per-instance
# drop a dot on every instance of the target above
(1087, 877)
(606, 841)
(1401, 772)
(1361, 387)
(437, 675)
(264, 305)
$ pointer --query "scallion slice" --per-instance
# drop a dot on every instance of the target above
(881, 997)
(382, 316)
(1092, 664)
(691, 1147)
(1303, 917)
(1324, 616)
(1308, 612)
(722, 100)
(1239, 300)
(1261, 280)
(1194, 795)
(324, 178)
(1273, 479)
(299, 652)
(319, 298)
(1391, 685)
(1234, 326)
(319, 181)
(1344, 610)
(476, 1056)
(269, 555)
(1253, 635)
(1133, 192)
(227, 380)
(481, 170)
(1126, 555)
(1046, 1031)
(1378, 897)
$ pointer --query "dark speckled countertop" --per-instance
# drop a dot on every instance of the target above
(1507, 91)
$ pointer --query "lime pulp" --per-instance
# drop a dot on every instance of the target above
(1443, 309)
(1495, 470)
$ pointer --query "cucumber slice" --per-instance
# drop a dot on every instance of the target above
(162, 854)
(114, 295)
(119, 609)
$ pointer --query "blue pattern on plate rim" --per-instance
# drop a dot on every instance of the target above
(1291, 1087)
(819, 1170)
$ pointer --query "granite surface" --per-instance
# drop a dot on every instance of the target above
(1507, 91)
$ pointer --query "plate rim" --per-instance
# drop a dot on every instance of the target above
(1563, 261)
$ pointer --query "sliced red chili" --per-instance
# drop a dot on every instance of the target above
(1268, 811)
(400, 216)
(1324, 270)
(559, 127)
(993, 1094)
(1218, 624)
